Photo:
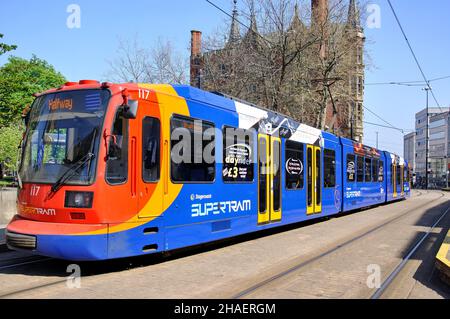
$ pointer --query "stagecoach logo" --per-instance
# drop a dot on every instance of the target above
(217, 208)
(200, 196)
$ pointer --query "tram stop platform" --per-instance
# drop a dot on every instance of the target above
(443, 260)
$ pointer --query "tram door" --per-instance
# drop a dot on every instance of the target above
(394, 180)
(313, 180)
(150, 190)
(402, 177)
(269, 179)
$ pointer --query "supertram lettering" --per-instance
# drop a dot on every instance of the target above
(224, 207)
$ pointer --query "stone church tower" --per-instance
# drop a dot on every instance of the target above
(348, 121)
(356, 33)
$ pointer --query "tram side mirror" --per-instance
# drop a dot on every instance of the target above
(129, 111)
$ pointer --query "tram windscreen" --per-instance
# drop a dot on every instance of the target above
(63, 128)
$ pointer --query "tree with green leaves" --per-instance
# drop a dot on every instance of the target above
(6, 47)
(19, 80)
(10, 137)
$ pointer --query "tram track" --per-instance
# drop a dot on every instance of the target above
(304, 263)
(22, 261)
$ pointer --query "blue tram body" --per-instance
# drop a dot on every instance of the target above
(317, 174)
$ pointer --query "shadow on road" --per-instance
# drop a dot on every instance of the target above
(427, 274)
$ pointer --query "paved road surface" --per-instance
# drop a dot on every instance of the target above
(330, 259)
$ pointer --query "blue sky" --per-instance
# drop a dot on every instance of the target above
(39, 27)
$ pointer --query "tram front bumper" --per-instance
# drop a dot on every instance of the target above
(58, 240)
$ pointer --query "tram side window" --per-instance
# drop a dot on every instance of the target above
(367, 169)
(294, 165)
(150, 149)
(398, 173)
(329, 167)
(192, 155)
(350, 167)
(237, 155)
(375, 164)
(360, 169)
(381, 171)
(117, 165)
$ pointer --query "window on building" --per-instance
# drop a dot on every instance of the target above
(360, 85)
(117, 164)
(354, 85)
(238, 153)
(294, 166)
(329, 168)
(360, 169)
(350, 167)
(367, 169)
(150, 149)
(359, 55)
(192, 150)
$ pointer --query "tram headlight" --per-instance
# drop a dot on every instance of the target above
(79, 199)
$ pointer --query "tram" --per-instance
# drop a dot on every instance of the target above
(117, 170)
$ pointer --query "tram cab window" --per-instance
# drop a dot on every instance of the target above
(375, 164)
(150, 149)
(367, 170)
(237, 155)
(329, 167)
(294, 165)
(192, 155)
(117, 165)
(351, 168)
(360, 169)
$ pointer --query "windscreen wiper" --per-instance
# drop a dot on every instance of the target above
(73, 170)
(70, 172)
